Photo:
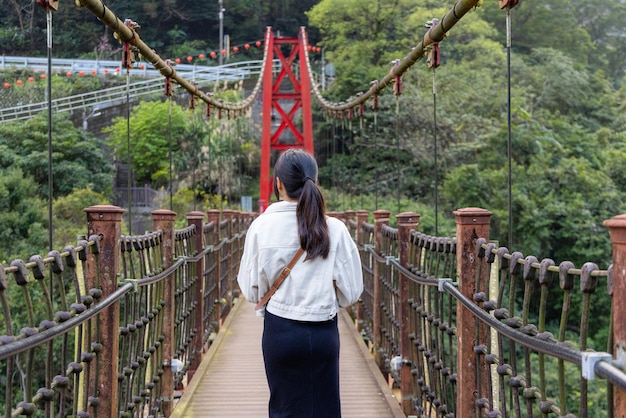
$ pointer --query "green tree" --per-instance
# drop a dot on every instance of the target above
(152, 124)
(69, 219)
(22, 220)
(360, 37)
(78, 160)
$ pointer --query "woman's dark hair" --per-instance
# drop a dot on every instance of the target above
(297, 171)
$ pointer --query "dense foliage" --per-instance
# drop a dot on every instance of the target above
(567, 116)
(173, 28)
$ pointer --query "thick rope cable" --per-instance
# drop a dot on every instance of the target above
(436, 34)
(126, 34)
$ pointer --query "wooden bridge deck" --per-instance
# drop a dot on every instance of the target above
(230, 382)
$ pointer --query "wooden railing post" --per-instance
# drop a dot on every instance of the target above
(381, 217)
(228, 215)
(349, 215)
(361, 218)
(406, 221)
(214, 216)
(106, 221)
(164, 220)
(471, 223)
(196, 218)
(617, 230)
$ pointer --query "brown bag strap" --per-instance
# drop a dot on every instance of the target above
(281, 278)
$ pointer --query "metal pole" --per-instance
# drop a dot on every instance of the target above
(509, 140)
(169, 146)
(221, 40)
(435, 146)
(129, 156)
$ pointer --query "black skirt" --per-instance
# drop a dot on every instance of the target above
(302, 367)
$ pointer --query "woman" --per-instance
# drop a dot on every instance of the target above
(300, 336)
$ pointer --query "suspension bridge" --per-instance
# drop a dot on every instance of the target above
(153, 325)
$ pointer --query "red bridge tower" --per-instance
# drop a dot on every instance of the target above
(273, 94)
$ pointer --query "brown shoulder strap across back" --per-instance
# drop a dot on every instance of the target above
(281, 278)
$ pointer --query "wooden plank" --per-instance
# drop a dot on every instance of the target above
(231, 382)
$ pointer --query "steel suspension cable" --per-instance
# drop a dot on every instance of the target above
(436, 174)
(49, 93)
(129, 156)
(434, 61)
(398, 181)
(508, 119)
(169, 150)
(334, 162)
(194, 156)
(376, 173)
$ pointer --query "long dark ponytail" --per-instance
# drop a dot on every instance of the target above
(297, 171)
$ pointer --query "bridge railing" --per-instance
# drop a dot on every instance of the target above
(463, 327)
(113, 326)
(113, 96)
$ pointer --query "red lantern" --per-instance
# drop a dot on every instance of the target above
(141, 67)
(43, 76)
(7, 85)
(247, 46)
(117, 69)
(19, 82)
(189, 58)
(223, 52)
(81, 73)
(258, 43)
(201, 56)
(94, 72)
(235, 49)
(309, 47)
(106, 71)
(177, 60)
(69, 73)
(31, 79)
(212, 54)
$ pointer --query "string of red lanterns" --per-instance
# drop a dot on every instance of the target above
(234, 50)
(212, 55)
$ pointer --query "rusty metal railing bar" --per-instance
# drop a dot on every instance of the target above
(211, 248)
(197, 257)
(562, 352)
(377, 257)
(145, 281)
(17, 347)
(428, 281)
(611, 373)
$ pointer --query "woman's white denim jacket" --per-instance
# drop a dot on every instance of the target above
(315, 289)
